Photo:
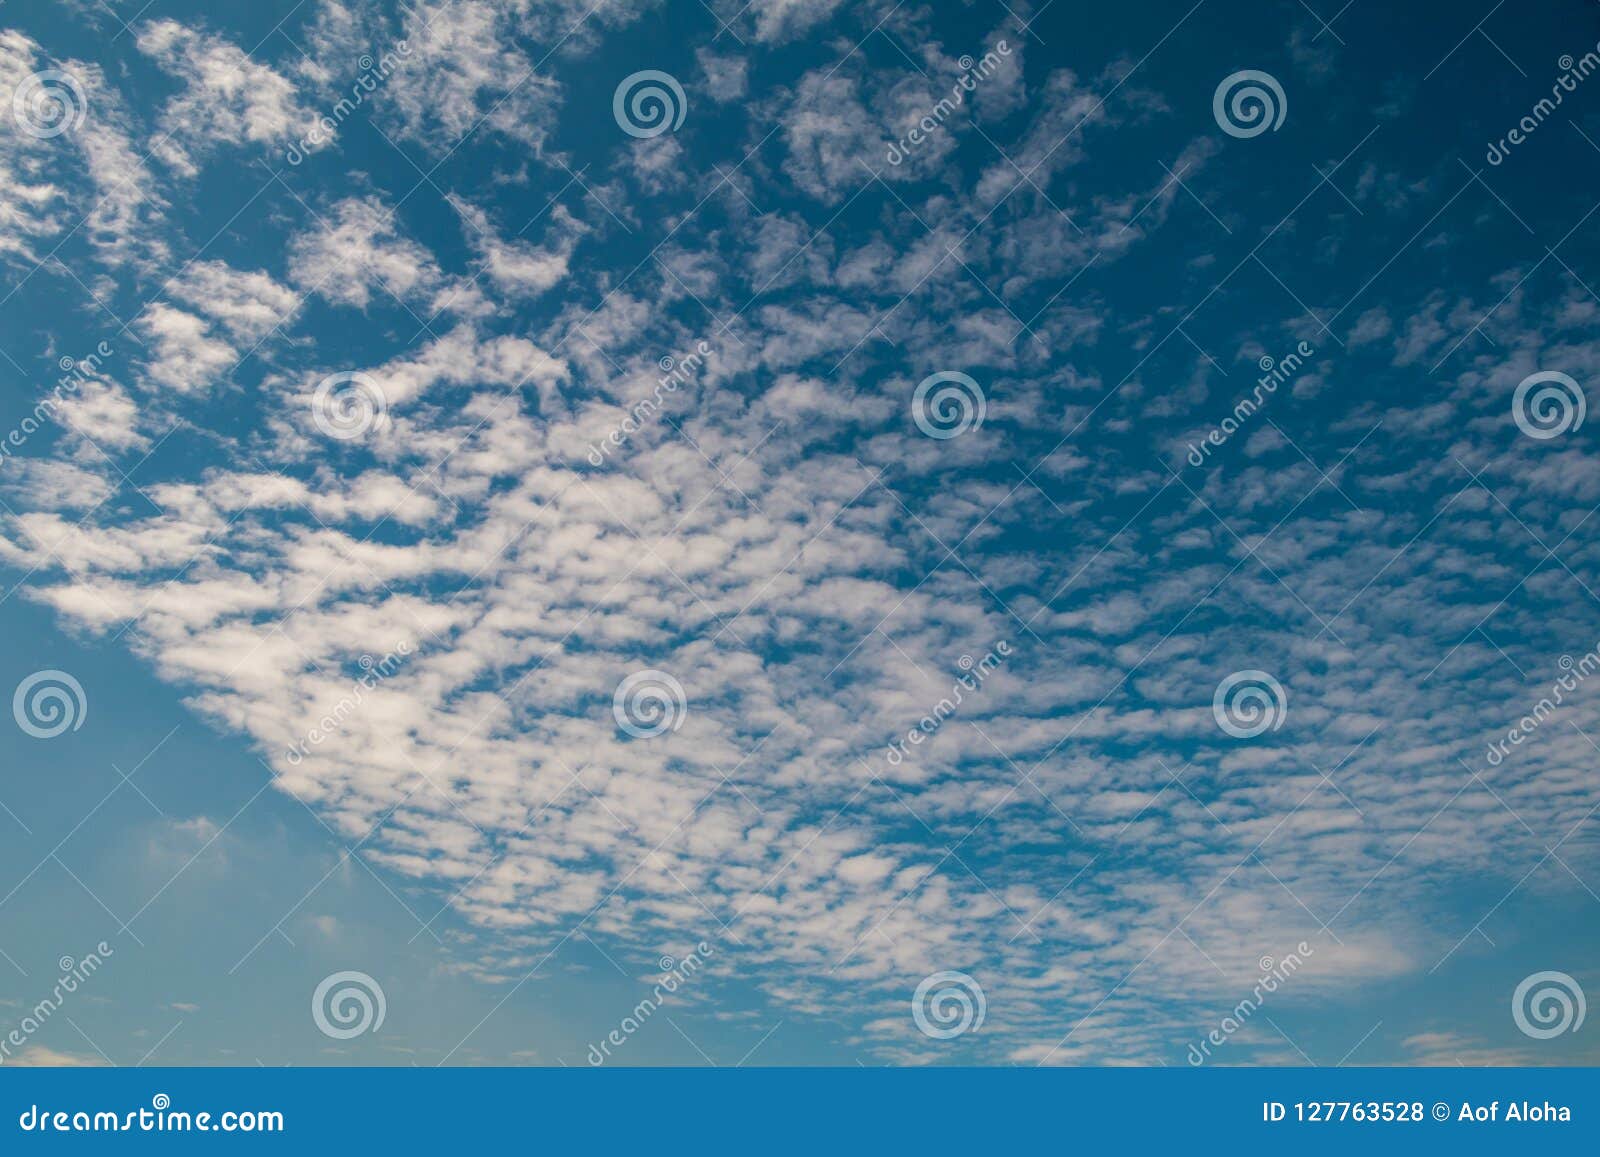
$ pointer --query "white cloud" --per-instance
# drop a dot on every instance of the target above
(515, 267)
(355, 249)
(467, 72)
(183, 356)
(103, 413)
(727, 76)
(40, 197)
(38, 1056)
(249, 305)
(775, 533)
(229, 98)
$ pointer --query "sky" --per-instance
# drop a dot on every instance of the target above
(793, 532)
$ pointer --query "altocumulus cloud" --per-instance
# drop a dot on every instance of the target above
(783, 540)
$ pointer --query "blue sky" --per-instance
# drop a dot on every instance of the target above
(925, 491)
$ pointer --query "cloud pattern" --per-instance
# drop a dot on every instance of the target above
(647, 404)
